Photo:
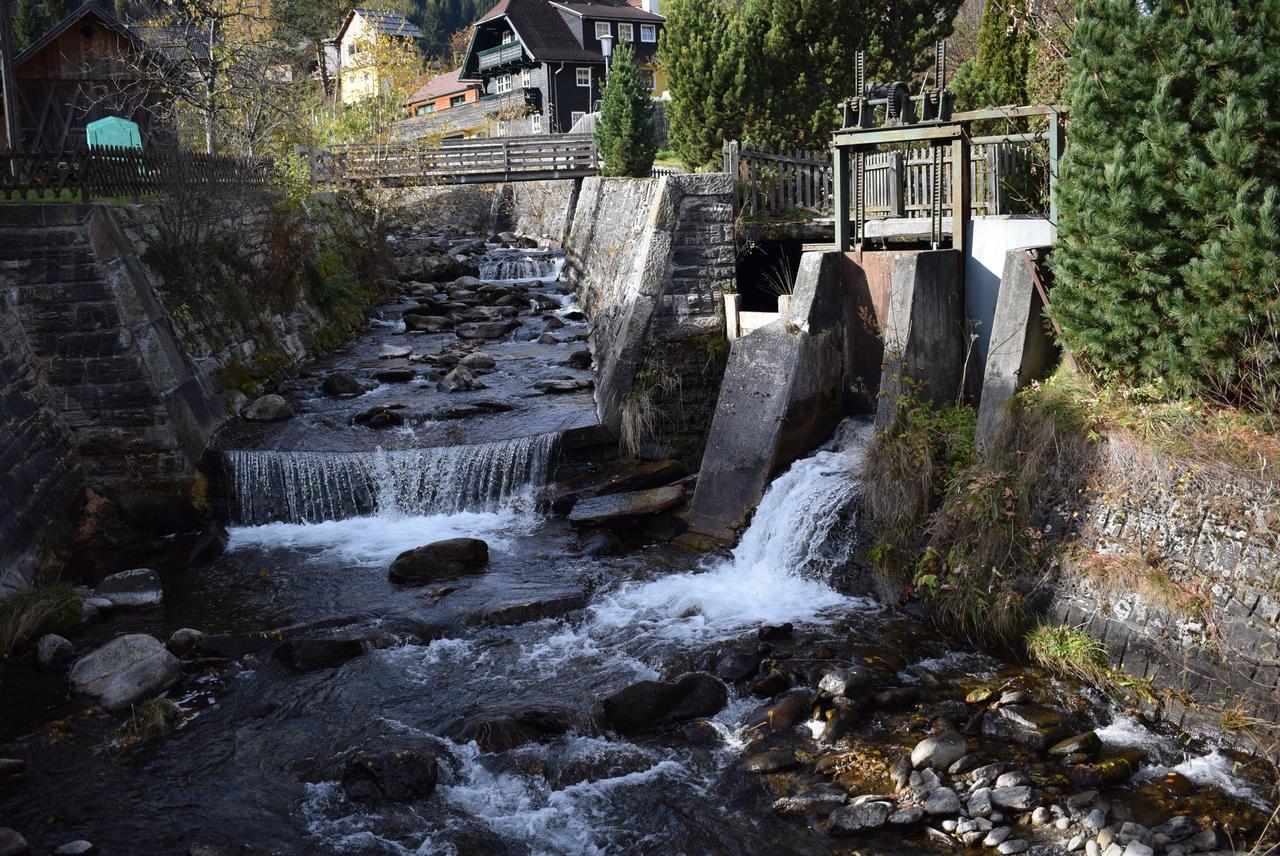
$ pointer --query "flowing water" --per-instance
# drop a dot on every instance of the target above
(258, 758)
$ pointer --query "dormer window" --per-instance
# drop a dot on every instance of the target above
(625, 33)
(602, 28)
(648, 33)
(508, 37)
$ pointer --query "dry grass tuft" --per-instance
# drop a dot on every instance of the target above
(1142, 572)
(29, 613)
(148, 719)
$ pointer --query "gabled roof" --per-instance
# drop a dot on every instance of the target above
(76, 15)
(439, 86)
(609, 10)
(542, 31)
(382, 23)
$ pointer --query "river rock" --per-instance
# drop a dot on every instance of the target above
(846, 681)
(211, 544)
(318, 653)
(1178, 828)
(184, 642)
(441, 559)
(342, 385)
(647, 705)
(579, 360)
(268, 408)
(942, 801)
(76, 848)
(54, 652)
(1031, 725)
(12, 767)
(394, 352)
(770, 761)
(851, 819)
(392, 774)
(396, 374)
(1087, 743)
(604, 510)
(815, 803)
(417, 322)
(478, 361)
(461, 379)
(907, 816)
(485, 329)
(136, 589)
(552, 323)
(1017, 798)
(560, 386)
(125, 670)
(381, 416)
(786, 712)
(939, 751)
(12, 843)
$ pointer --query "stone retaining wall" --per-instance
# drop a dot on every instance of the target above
(1206, 621)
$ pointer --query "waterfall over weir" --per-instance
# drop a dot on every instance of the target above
(309, 487)
(513, 267)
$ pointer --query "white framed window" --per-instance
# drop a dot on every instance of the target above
(574, 117)
(525, 75)
(508, 37)
(503, 85)
(535, 123)
(626, 33)
(583, 76)
(602, 28)
(648, 33)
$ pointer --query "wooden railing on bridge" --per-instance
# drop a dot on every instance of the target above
(796, 182)
(472, 161)
(109, 172)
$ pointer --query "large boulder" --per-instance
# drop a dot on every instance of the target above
(648, 705)
(54, 652)
(424, 323)
(390, 774)
(478, 361)
(268, 408)
(342, 384)
(461, 379)
(440, 560)
(603, 510)
(1031, 725)
(125, 670)
(136, 589)
(939, 751)
(12, 843)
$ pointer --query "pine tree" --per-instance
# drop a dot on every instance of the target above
(697, 51)
(625, 135)
(1168, 243)
(28, 25)
(1004, 52)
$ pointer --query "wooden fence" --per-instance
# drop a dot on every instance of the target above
(108, 172)
(794, 182)
(461, 161)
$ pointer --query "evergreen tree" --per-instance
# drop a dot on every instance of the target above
(1168, 243)
(696, 50)
(56, 10)
(625, 134)
(28, 24)
(1004, 52)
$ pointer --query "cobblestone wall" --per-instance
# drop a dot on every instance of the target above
(1206, 621)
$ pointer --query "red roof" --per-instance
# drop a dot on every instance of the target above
(439, 86)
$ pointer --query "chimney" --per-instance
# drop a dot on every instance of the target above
(650, 6)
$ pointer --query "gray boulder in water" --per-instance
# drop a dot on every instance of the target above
(125, 670)
(461, 379)
(391, 774)
(136, 589)
(268, 408)
(342, 384)
(53, 652)
(440, 560)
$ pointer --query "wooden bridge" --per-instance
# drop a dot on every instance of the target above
(475, 161)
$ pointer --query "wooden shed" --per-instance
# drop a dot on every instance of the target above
(86, 67)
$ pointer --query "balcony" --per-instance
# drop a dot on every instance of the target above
(501, 55)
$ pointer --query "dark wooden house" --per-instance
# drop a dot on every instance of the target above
(87, 66)
(551, 54)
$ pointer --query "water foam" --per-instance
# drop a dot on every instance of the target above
(520, 267)
(778, 573)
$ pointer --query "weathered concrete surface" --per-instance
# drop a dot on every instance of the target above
(783, 393)
(1021, 349)
(925, 331)
(659, 280)
(987, 241)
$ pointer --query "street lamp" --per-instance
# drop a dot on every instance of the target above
(606, 48)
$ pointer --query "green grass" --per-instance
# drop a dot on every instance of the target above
(148, 719)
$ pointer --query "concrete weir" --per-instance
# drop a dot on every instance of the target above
(860, 325)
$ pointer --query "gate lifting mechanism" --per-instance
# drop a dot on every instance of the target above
(926, 117)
